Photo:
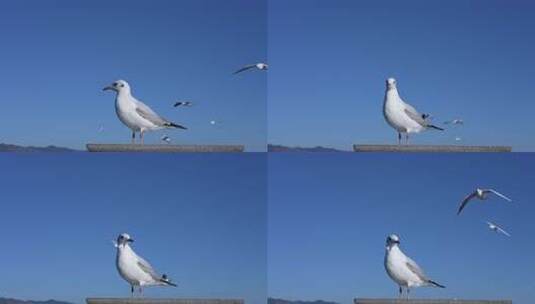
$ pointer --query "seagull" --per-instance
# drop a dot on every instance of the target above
(135, 114)
(402, 116)
(402, 270)
(454, 122)
(166, 138)
(134, 269)
(496, 228)
(260, 66)
(183, 104)
(481, 194)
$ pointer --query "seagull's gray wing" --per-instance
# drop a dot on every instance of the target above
(465, 201)
(146, 112)
(416, 269)
(147, 268)
(245, 68)
(415, 115)
(498, 194)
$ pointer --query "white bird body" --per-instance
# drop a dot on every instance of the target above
(127, 265)
(125, 107)
(394, 113)
(402, 269)
(134, 269)
(136, 115)
(395, 261)
(402, 116)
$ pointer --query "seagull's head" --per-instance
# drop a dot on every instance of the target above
(392, 240)
(391, 83)
(118, 86)
(123, 239)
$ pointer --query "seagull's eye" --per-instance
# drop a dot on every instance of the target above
(122, 85)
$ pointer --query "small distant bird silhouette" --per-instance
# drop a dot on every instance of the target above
(401, 115)
(260, 66)
(134, 269)
(166, 138)
(454, 122)
(481, 194)
(497, 228)
(183, 104)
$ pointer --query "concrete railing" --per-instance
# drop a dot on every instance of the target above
(161, 301)
(163, 148)
(429, 148)
(428, 301)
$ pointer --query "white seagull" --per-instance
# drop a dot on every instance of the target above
(496, 228)
(402, 116)
(134, 269)
(402, 270)
(481, 194)
(260, 66)
(135, 114)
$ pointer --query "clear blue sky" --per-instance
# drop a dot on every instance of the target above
(456, 59)
(329, 216)
(200, 218)
(57, 55)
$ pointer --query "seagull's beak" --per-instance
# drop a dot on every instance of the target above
(107, 88)
(130, 240)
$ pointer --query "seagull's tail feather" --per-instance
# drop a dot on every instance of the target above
(174, 125)
(435, 284)
(166, 281)
(435, 127)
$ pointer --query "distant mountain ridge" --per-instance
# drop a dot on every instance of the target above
(15, 148)
(281, 148)
(282, 301)
(16, 301)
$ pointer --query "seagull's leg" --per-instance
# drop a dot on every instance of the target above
(408, 291)
(400, 292)
(133, 137)
(141, 136)
(132, 291)
(399, 142)
(406, 138)
(140, 291)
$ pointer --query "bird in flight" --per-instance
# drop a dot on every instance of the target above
(454, 122)
(183, 104)
(481, 194)
(496, 228)
(166, 138)
(260, 66)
